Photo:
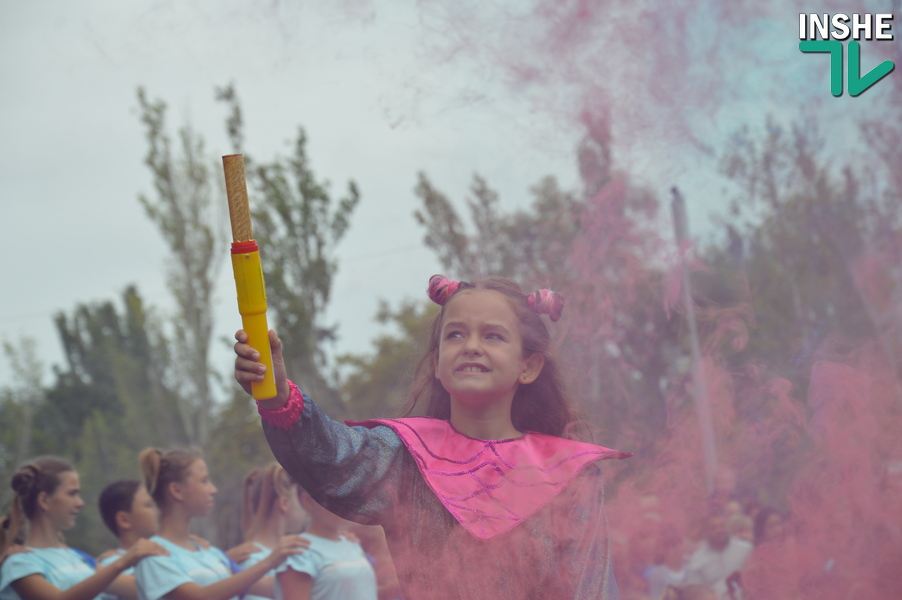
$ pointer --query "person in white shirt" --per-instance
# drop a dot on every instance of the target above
(719, 557)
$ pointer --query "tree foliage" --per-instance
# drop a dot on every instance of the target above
(113, 397)
(525, 244)
(18, 404)
(817, 247)
(376, 384)
(192, 228)
(299, 225)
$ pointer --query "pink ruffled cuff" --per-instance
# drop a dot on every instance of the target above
(286, 416)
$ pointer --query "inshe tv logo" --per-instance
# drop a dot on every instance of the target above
(867, 26)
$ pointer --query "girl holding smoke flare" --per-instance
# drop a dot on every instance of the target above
(180, 484)
(271, 511)
(46, 502)
(484, 497)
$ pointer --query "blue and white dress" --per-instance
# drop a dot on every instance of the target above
(339, 570)
(255, 557)
(156, 576)
(61, 567)
(117, 554)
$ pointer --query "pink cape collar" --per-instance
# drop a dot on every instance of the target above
(492, 486)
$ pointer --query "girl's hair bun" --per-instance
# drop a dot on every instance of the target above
(441, 288)
(23, 481)
(546, 302)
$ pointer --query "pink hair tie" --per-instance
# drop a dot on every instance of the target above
(441, 288)
(546, 302)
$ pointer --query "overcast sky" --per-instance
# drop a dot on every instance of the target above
(383, 92)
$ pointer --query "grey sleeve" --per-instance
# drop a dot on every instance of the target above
(354, 472)
(584, 539)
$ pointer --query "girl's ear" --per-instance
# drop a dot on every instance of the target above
(123, 521)
(175, 490)
(532, 368)
(43, 501)
(284, 504)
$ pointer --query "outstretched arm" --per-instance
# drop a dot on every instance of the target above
(295, 585)
(238, 583)
(36, 587)
(351, 471)
(354, 472)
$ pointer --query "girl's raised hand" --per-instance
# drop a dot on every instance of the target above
(293, 539)
(242, 552)
(143, 547)
(288, 545)
(248, 370)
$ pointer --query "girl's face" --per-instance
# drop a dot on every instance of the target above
(480, 358)
(63, 505)
(196, 490)
(144, 515)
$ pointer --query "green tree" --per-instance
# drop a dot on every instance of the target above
(113, 397)
(193, 229)
(11, 411)
(298, 224)
(18, 405)
(803, 234)
(376, 384)
(117, 364)
(528, 244)
(28, 391)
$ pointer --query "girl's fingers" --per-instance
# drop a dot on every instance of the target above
(246, 351)
(296, 541)
(250, 366)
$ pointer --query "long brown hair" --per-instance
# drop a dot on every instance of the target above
(262, 490)
(159, 469)
(39, 475)
(542, 406)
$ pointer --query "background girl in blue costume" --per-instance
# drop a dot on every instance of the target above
(47, 500)
(130, 514)
(335, 566)
(180, 484)
(271, 510)
(483, 498)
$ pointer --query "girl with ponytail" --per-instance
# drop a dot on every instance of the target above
(179, 483)
(482, 498)
(271, 510)
(46, 501)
